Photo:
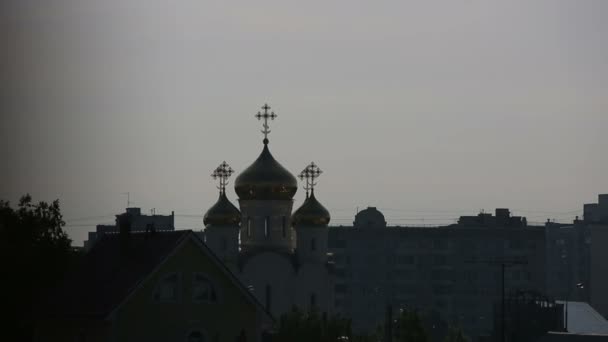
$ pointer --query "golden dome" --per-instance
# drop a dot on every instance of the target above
(222, 213)
(265, 179)
(311, 213)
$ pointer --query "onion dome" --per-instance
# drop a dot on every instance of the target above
(222, 213)
(311, 213)
(265, 179)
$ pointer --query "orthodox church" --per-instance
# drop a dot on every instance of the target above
(279, 255)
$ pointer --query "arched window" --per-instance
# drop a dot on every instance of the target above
(167, 289)
(284, 228)
(224, 244)
(313, 244)
(203, 289)
(196, 336)
(268, 297)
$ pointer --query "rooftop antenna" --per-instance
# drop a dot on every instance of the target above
(310, 174)
(222, 173)
(128, 198)
(266, 116)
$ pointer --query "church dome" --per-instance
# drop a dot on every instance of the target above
(222, 213)
(311, 213)
(370, 217)
(265, 179)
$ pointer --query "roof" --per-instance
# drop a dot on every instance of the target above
(106, 277)
(583, 319)
(569, 337)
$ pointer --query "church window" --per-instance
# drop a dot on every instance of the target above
(313, 244)
(167, 288)
(268, 298)
(203, 290)
(284, 226)
(267, 227)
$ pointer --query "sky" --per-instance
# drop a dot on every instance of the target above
(427, 110)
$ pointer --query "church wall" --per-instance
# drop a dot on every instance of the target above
(276, 270)
(278, 213)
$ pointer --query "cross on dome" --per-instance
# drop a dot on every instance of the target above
(310, 174)
(266, 116)
(222, 172)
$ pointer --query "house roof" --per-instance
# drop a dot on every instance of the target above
(583, 319)
(109, 273)
(569, 337)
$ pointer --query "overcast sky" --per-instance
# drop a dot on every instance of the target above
(427, 110)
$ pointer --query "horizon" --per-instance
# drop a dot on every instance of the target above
(427, 112)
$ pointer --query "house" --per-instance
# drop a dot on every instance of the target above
(152, 286)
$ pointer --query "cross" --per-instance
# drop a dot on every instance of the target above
(222, 172)
(266, 116)
(310, 173)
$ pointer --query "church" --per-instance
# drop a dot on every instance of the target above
(279, 255)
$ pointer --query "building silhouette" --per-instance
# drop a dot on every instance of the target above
(454, 270)
(279, 254)
(140, 223)
(151, 286)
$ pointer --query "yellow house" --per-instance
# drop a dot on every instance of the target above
(155, 286)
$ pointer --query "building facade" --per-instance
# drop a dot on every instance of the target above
(152, 286)
(454, 270)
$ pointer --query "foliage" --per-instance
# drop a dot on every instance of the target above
(409, 328)
(35, 253)
(455, 335)
(300, 326)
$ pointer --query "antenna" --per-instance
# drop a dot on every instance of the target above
(128, 198)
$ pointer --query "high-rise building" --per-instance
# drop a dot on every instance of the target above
(456, 270)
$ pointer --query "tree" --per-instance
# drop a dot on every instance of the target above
(455, 335)
(300, 326)
(35, 253)
(409, 328)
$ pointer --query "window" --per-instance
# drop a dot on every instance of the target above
(167, 288)
(313, 300)
(249, 227)
(284, 226)
(203, 290)
(313, 244)
(196, 336)
(267, 227)
(268, 298)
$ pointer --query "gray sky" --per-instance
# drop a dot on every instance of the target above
(424, 109)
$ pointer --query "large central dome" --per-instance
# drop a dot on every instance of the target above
(266, 179)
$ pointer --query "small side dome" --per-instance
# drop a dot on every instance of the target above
(369, 217)
(265, 179)
(222, 213)
(311, 213)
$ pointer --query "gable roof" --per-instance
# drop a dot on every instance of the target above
(108, 275)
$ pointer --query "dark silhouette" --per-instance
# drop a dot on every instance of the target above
(298, 325)
(35, 253)
(409, 327)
